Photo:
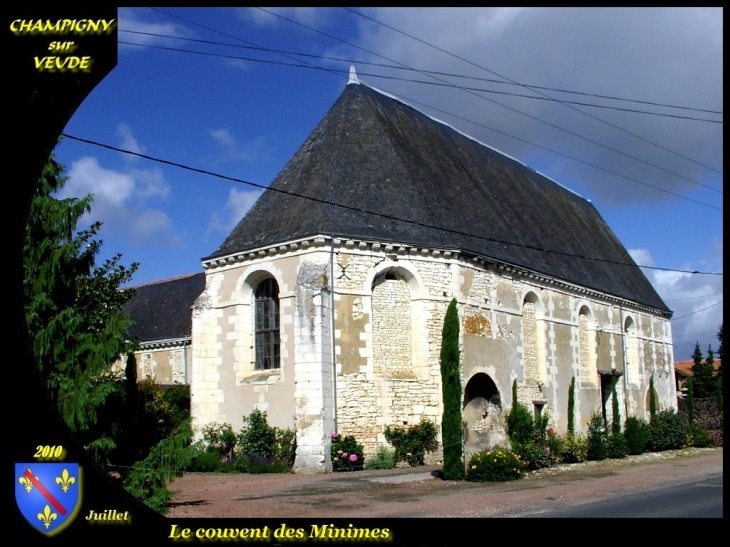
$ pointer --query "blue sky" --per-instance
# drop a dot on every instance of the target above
(243, 112)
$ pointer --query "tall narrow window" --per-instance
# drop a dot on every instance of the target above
(267, 325)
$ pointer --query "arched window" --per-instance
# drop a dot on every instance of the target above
(587, 346)
(533, 339)
(267, 325)
(632, 351)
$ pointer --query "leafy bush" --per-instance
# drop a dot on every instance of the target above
(256, 436)
(636, 432)
(700, 438)
(384, 459)
(346, 453)
(716, 436)
(597, 438)
(529, 435)
(263, 448)
(411, 443)
(219, 439)
(574, 449)
(286, 447)
(495, 465)
(617, 446)
(667, 431)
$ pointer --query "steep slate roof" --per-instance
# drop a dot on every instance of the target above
(161, 310)
(375, 153)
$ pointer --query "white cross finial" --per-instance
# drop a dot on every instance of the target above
(353, 76)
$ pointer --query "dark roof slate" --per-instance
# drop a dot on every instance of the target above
(161, 310)
(374, 153)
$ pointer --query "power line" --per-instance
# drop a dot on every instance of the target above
(382, 65)
(539, 92)
(357, 209)
(501, 104)
(698, 311)
(341, 73)
(693, 297)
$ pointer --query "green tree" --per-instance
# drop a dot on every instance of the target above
(616, 415)
(74, 310)
(719, 352)
(571, 407)
(703, 373)
(652, 398)
(690, 402)
(451, 431)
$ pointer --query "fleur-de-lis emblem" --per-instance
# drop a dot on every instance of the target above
(47, 516)
(65, 480)
(25, 481)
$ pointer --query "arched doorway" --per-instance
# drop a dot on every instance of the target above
(482, 416)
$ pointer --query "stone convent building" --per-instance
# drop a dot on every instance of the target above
(324, 306)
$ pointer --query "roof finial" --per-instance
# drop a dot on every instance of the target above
(353, 76)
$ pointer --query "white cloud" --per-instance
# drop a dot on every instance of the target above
(238, 204)
(263, 17)
(120, 201)
(251, 151)
(124, 132)
(137, 21)
(695, 300)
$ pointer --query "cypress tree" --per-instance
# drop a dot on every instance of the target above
(690, 402)
(616, 416)
(652, 398)
(703, 372)
(571, 407)
(451, 431)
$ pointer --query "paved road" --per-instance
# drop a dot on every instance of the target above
(417, 493)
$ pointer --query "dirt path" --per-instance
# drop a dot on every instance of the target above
(417, 492)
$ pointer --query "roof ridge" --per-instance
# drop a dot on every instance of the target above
(159, 281)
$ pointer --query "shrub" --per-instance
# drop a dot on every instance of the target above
(411, 443)
(346, 453)
(617, 446)
(384, 459)
(520, 423)
(597, 438)
(574, 449)
(636, 432)
(286, 447)
(534, 455)
(495, 465)
(716, 436)
(700, 438)
(256, 436)
(220, 439)
(667, 431)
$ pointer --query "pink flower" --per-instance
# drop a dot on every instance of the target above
(344, 454)
(337, 459)
(353, 457)
(334, 435)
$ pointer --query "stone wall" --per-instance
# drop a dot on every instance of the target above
(386, 305)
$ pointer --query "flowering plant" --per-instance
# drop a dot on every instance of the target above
(346, 453)
(495, 465)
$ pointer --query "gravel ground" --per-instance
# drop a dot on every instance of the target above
(419, 493)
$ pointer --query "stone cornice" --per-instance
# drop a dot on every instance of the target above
(170, 343)
(394, 251)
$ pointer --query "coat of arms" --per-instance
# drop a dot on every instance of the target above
(48, 494)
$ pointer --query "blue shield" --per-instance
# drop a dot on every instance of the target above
(48, 494)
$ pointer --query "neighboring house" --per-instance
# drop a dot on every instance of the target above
(327, 312)
(161, 312)
(682, 371)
